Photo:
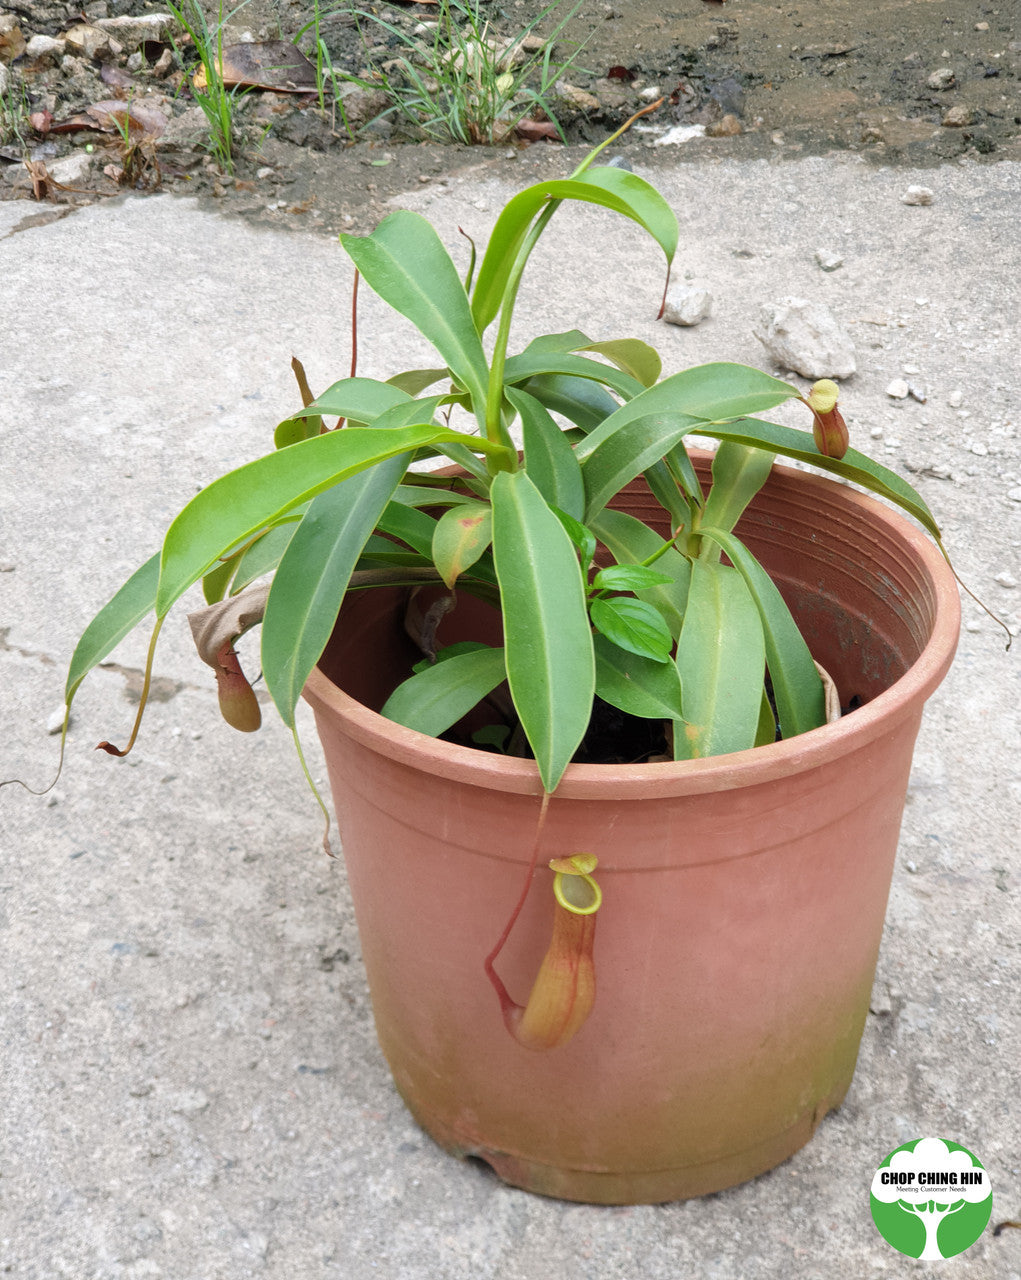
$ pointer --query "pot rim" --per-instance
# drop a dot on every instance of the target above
(904, 697)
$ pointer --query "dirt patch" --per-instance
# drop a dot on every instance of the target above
(905, 82)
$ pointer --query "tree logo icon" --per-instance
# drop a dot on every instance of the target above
(931, 1199)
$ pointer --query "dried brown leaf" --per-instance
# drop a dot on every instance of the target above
(272, 64)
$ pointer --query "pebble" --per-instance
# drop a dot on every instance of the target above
(687, 303)
(917, 392)
(91, 42)
(189, 1102)
(979, 449)
(876, 433)
(578, 99)
(958, 117)
(1014, 494)
(728, 127)
(805, 336)
(917, 195)
(134, 31)
(40, 47)
(828, 260)
(956, 398)
(650, 94)
(941, 78)
(55, 722)
(898, 389)
(1006, 579)
(680, 133)
(264, 172)
(71, 170)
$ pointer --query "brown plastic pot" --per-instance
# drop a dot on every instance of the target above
(744, 895)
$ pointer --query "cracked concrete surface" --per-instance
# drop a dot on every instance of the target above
(192, 1087)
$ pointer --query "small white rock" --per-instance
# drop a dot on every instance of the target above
(979, 449)
(910, 368)
(876, 433)
(680, 133)
(650, 94)
(917, 392)
(956, 398)
(1014, 494)
(56, 721)
(917, 195)
(687, 303)
(898, 389)
(72, 169)
(828, 260)
(941, 78)
(1006, 579)
(805, 336)
(189, 1102)
(39, 47)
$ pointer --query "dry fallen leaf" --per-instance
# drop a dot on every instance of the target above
(533, 130)
(139, 117)
(273, 64)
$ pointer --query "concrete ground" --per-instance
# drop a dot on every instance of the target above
(191, 1084)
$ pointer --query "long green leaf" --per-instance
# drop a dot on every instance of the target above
(739, 472)
(636, 685)
(853, 466)
(550, 662)
(439, 696)
(263, 556)
(707, 392)
(626, 453)
(113, 622)
(244, 501)
(721, 661)
(530, 364)
(612, 188)
(309, 584)
(404, 261)
(630, 541)
(797, 687)
(412, 526)
(632, 356)
(580, 400)
(360, 399)
(422, 495)
(549, 458)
